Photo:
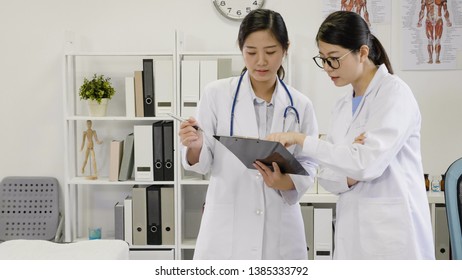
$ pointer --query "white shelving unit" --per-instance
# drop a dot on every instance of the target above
(82, 195)
(434, 198)
(193, 187)
(91, 202)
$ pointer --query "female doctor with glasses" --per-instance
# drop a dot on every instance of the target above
(382, 211)
(251, 214)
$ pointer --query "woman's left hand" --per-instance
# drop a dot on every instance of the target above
(274, 179)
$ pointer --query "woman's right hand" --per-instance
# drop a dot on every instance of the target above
(287, 139)
(360, 139)
(189, 136)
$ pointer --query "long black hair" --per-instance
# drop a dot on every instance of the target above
(264, 19)
(350, 31)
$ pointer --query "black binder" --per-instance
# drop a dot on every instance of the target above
(154, 228)
(148, 88)
(249, 150)
(158, 150)
(168, 150)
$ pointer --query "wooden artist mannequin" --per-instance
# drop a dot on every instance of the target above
(88, 135)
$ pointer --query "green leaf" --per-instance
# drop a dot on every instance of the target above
(97, 88)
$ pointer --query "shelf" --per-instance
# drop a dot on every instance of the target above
(435, 197)
(188, 244)
(117, 118)
(151, 247)
(194, 182)
(168, 54)
(220, 54)
(85, 238)
(105, 181)
(318, 198)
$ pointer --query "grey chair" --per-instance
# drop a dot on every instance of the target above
(29, 208)
(453, 200)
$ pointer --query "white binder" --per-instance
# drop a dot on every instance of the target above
(130, 97)
(208, 73)
(143, 153)
(225, 68)
(190, 87)
(128, 234)
(323, 233)
(163, 72)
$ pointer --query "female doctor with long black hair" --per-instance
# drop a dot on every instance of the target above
(250, 214)
(382, 210)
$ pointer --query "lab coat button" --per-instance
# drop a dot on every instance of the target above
(259, 212)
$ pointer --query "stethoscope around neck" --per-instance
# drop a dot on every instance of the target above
(286, 110)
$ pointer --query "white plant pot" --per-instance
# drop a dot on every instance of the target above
(97, 109)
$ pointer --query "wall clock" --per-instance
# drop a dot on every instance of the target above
(237, 9)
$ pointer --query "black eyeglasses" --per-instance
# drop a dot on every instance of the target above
(333, 62)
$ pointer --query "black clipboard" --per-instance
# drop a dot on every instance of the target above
(249, 150)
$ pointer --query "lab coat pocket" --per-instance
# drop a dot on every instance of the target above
(383, 227)
(215, 240)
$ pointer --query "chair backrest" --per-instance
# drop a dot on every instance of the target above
(29, 208)
(453, 198)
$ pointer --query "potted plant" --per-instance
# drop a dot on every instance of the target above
(97, 92)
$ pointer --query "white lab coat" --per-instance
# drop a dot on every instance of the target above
(386, 215)
(243, 218)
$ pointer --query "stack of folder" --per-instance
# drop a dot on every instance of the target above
(149, 92)
(154, 156)
(148, 152)
(147, 217)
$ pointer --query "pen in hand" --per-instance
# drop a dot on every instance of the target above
(182, 120)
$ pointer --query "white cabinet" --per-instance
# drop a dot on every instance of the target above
(328, 200)
(90, 203)
(194, 71)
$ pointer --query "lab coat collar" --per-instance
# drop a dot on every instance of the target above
(373, 86)
(382, 71)
(245, 120)
(281, 101)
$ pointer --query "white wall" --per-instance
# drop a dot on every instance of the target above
(32, 43)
